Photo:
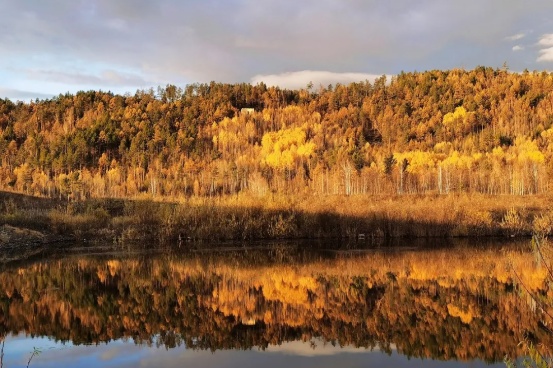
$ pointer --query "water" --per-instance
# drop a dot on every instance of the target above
(272, 306)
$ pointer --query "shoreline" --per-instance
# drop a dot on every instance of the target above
(32, 225)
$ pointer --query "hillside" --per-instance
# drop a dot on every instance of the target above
(480, 131)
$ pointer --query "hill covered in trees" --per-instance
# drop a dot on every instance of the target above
(485, 130)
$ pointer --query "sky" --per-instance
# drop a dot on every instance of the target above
(59, 46)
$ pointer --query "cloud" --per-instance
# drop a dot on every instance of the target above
(104, 78)
(546, 40)
(515, 37)
(21, 95)
(546, 55)
(124, 79)
(179, 42)
(546, 52)
(300, 79)
(518, 48)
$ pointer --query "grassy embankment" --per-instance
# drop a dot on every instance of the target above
(119, 221)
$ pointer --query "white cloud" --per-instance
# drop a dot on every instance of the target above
(518, 48)
(546, 52)
(300, 79)
(546, 40)
(515, 37)
(546, 55)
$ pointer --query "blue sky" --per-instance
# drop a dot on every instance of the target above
(59, 46)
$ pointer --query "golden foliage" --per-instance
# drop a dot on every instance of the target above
(282, 149)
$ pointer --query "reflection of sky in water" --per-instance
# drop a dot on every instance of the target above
(120, 353)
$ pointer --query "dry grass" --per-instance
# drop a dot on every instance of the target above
(272, 216)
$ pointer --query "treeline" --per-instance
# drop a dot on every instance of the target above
(485, 130)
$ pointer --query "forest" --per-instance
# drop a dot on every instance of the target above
(421, 154)
(479, 131)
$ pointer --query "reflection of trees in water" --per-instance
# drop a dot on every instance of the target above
(441, 304)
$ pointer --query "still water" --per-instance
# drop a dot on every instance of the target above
(273, 306)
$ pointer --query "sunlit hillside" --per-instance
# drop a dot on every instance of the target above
(484, 130)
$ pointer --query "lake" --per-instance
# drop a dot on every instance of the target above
(274, 305)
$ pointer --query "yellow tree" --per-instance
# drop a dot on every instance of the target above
(527, 160)
(286, 150)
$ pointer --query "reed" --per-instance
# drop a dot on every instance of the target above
(282, 217)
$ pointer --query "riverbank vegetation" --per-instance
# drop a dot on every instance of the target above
(358, 220)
